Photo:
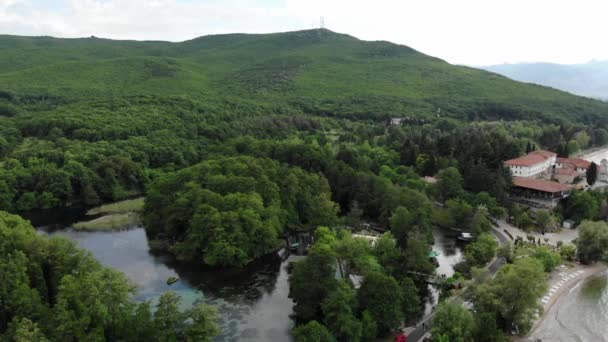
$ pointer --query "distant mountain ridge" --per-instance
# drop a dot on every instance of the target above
(587, 79)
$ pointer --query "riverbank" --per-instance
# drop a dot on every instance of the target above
(120, 215)
(569, 282)
(253, 302)
(110, 222)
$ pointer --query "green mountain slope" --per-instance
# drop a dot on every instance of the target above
(316, 71)
(87, 121)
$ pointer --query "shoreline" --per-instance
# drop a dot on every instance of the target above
(588, 271)
(591, 153)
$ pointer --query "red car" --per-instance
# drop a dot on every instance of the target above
(401, 338)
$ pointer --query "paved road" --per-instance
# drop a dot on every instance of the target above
(498, 262)
(418, 333)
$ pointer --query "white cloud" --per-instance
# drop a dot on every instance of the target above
(464, 31)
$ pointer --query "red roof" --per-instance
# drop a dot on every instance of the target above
(540, 185)
(579, 163)
(532, 158)
(566, 171)
(546, 154)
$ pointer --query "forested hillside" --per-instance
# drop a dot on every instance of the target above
(238, 139)
(315, 71)
(90, 120)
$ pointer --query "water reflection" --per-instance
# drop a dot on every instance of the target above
(450, 250)
(252, 302)
(450, 253)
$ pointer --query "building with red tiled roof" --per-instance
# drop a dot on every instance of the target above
(580, 165)
(566, 175)
(540, 188)
(533, 164)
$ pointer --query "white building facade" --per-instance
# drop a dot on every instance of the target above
(534, 164)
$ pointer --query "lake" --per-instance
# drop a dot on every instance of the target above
(579, 315)
(252, 302)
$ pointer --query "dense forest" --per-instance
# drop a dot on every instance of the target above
(86, 121)
(233, 210)
(236, 140)
(53, 291)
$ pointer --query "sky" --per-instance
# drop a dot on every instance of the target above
(470, 32)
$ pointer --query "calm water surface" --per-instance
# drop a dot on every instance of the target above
(450, 251)
(580, 315)
(252, 303)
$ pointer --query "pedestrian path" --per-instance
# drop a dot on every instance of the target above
(564, 278)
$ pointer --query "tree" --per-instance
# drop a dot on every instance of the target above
(27, 331)
(453, 323)
(426, 165)
(459, 212)
(381, 296)
(600, 137)
(231, 211)
(167, 318)
(401, 222)
(52, 289)
(486, 329)
(482, 250)
(549, 259)
(582, 139)
(523, 221)
(572, 147)
(485, 199)
(4, 145)
(312, 332)
(562, 151)
(203, 327)
(480, 223)
(369, 328)
(568, 252)
(505, 251)
(582, 205)
(545, 220)
(338, 310)
(353, 218)
(592, 242)
(449, 183)
(416, 255)
(513, 293)
(311, 280)
(411, 305)
(388, 254)
(591, 174)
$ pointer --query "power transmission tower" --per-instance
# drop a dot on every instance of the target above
(322, 23)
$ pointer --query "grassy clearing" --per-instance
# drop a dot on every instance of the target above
(110, 222)
(122, 207)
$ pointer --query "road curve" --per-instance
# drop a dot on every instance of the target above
(418, 333)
